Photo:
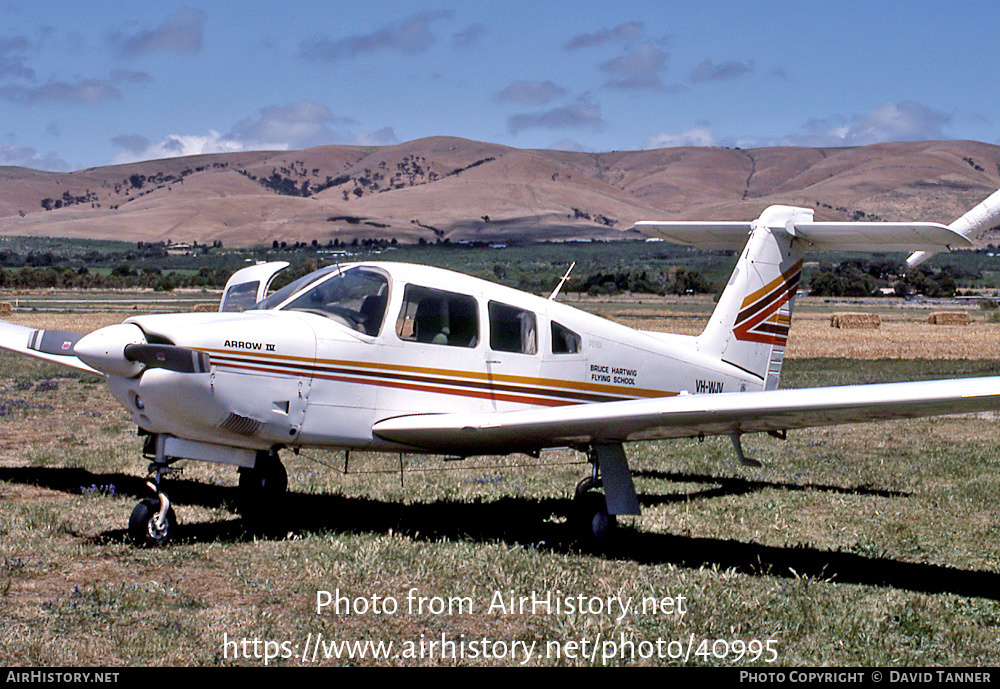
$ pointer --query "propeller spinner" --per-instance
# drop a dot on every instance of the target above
(122, 350)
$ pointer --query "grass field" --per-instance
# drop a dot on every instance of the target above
(874, 544)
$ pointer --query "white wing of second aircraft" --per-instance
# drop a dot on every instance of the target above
(51, 345)
(689, 416)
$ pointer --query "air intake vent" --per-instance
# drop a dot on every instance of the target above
(243, 425)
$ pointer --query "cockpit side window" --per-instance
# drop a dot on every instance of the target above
(434, 316)
(356, 298)
(564, 340)
(512, 329)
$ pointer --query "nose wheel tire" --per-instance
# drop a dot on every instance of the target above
(147, 528)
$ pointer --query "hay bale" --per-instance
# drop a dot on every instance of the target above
(205, 308)
(6, 307)
(855, 320)
(949, 318)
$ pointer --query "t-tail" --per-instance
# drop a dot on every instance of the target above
(749, 327)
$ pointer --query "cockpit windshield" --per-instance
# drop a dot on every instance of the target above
(275, 299)
(355, 297)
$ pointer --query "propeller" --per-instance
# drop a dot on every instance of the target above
(57, 342)
(122, 350)
(170, 357)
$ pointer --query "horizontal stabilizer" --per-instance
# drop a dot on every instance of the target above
(817, 236)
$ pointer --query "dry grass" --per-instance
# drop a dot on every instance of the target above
(902, 333)
(871, 546)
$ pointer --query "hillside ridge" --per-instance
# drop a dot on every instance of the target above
(457, 189)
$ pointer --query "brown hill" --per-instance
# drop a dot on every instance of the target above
(444, 187)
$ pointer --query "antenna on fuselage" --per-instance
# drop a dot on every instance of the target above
(565, 277)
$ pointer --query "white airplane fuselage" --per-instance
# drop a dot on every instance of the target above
(298, 379)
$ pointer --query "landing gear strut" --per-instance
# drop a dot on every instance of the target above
(606, 493)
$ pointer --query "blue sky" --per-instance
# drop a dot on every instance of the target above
(85, 84)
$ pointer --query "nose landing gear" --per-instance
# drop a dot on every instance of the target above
(153, 521)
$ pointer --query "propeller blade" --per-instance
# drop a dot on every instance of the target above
(57, 342)
(170, 357)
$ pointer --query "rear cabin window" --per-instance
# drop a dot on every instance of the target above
(434, 316)
(512, 329)
(564, 340)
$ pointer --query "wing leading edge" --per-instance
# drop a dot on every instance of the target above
(688, 416)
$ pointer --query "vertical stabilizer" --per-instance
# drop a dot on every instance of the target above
(749, 328)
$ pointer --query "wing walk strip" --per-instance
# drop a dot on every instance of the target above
(523, 389)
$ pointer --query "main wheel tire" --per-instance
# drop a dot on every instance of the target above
(142, 526)
(593, 521)
(262, 490)
(267, 481)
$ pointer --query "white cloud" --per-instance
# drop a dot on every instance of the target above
(580, 114)
(24, 156)
(699, 135)
(180, 32)
(299, 125)
(531, 92)
(568, 145)
(709, 71)
(86, 91)
(628, 31)
(276, 128)
(174, 146)
(899, 121)
(637, 69)
(409, 36)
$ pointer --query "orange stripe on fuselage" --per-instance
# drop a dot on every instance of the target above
(534, 382)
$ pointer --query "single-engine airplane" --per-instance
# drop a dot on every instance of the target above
(406, 358)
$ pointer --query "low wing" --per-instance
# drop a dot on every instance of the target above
(688, 416)
(51, 345)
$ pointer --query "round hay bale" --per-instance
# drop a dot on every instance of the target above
(6, 307)
(204, 308)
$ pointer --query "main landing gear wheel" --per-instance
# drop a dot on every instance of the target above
(591, 518)
(146, 527)
(262, 486)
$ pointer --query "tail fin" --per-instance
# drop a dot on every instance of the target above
(749, 328)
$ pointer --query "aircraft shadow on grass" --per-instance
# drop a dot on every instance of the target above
(534, 522)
